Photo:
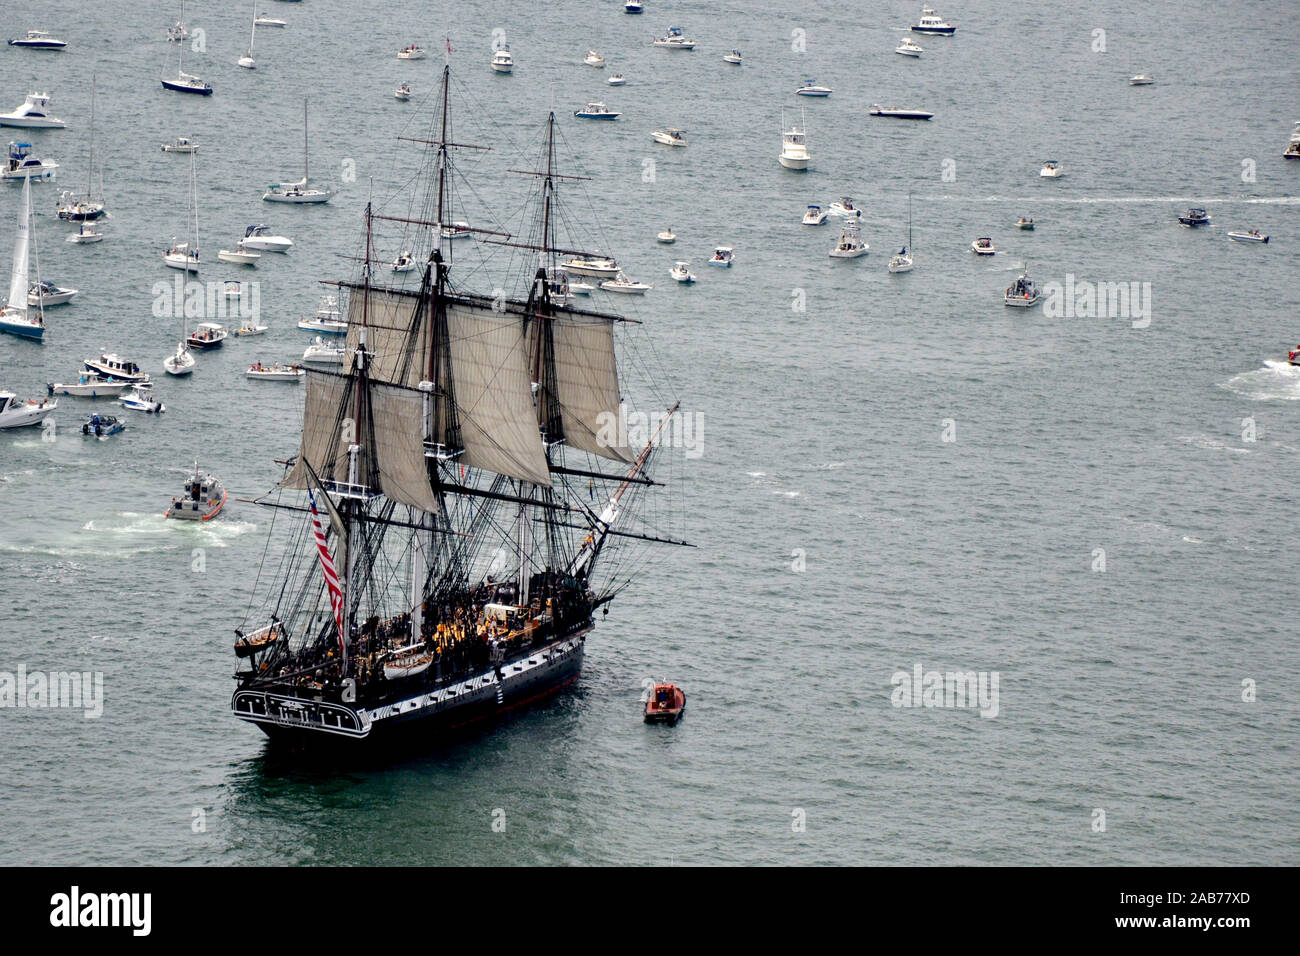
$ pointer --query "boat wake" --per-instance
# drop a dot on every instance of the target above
(1211, 443)
(1276, 381)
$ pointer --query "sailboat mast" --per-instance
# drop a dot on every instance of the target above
(305, 172)
(90, 160)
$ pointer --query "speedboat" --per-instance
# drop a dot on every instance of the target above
(815, 216)
(411, 52)
(1022, 293)
(983, 246)
(933, 24)
(594, 59)
(37, 40)
(723, 256)
(140, 398)
(182, 144)
(20, 414)
(251, 328)
(909, 47)
(328, 319)
(596, 111)
(733, 57)
(621, 283)
(851, 244)
(810, 88)
(600, 267)
(633, 6)
(844, 207)
(666, 704)
(794, 149)
(33, 114)
(404, 262)
(403, 92)
(669, 136)
(902, 262)
(502, 60)
(1196, 216)
(180, 256)
(457, 229)
(76, 208)
(202, 500)
(319, 352)
(207, 335)
(101, 426)
(89, 385)
(1248, 235)
(1140, 80)
(259, 237)
(276, 372)
(1025, 223)
(187, 83)
(1051, 170)
(617, 79)
(240, 255)
(682, 273)
(23, 165)
(667, 237)
(179, 363)
(85, 234)
(675, 40)
(112, 366)
(894, 112)
(46, 294)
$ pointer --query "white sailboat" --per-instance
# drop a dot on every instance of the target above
(247, 61)
(17, 317)
(181, 362)
(185, 255)
(903, 261)
(299, 192)
(82, 208)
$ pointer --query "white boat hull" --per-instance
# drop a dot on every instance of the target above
(238, 258)
(268, 244)
(794, 162)
(89, 389)
(24, 415)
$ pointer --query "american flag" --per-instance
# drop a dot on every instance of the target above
(327, 567)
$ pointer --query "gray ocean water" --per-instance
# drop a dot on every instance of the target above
(823, 437)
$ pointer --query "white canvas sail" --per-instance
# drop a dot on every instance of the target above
(17, 301)
(586, 374)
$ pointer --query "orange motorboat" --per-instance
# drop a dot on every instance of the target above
(666, 704)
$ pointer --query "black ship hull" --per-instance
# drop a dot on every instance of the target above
(428, 715)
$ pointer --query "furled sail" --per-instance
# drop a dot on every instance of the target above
(586, 373)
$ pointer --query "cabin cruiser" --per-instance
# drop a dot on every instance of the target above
(38, 40)
(320, 352)
(1022, 293)
(723, 256)
(851, 244)
(182, 144)
(1248, 235)
(983, 246)
(810, 88)
(601, 267)
(733, 57)
(794, 149)
(241, 255)
(187, 83)
(101, 426)
(682, 273)
(20, 414)
(23, 165)
(207, 335)
(1196, 216)
(669, 136)
(1140, 80)
(1051, 170)
(844, 207)
(404, 262)
(1025, 223)
(111, 366)
(140, 398)
(33, 114)
(594, 59)
(597, 111)
(617, 79)
(933, 24)
(259, 237)
(45, 294)
(457, 229)
(403, 92)
(502, 60)
(666, 704)
(901, 262)
(675, 40)
(276, 372)
(815, 216)
(203, 498)
(180, 363)
(894, 112)
(74, 207)
(89, 385)
(667, 237)
(621, 283)
(180, 256)
(86, 234)
(909, 47)
(411, 52)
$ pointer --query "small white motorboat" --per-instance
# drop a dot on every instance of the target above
(675, 40)
(403, 92)
(577, 287)
(276, 372)
(207, 335)
(33, 114)
(1022, 293)
(983, 246)
(503, 61)
(682, 273)
(894, 112)
(596, 111)
(815, 215)
(45, 294)
(594, 59)
(89, 385)
(86, 234)
(723, 256)
(411, 52)
(180, 256)
(733, 58)
(1025, 223)
(15, 413)
(181, 144)
(810, 88)
(667, 237)
(140, 398)
(933, 24)
(621, 283)
(794, 149)
(1247, 235)
(851, 244)
(617, 79)
(404, 262)
(259, 237)
(669, 136)
(599, 267)
(1051, 170)
(328, 318)
(179, 363)
(111, 366)
(38, 40)
(240, 255)
(1140, 80)
(320, 352)
(269, 22)
(251, 328)
(844, 207)
(909, 47)
(23, 165)
(203, 499)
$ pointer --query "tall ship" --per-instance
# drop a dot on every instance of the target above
(461, 505)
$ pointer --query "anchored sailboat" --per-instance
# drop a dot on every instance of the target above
(298, 192)
(462, 480)
(17, 317)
